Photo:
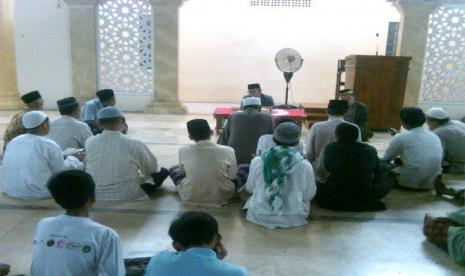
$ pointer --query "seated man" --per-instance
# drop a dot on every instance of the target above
(448, 233)
(266, 141)
(120, 164)
(73, 244)
(452, 135)
(357, 113)
(254, 90)
(68, 132)
(33, 101)
(323, 133)
(105, 97)
(30, 159)
(200, 250)
(355, 181)
(419, 150)
(243, 129)
(281, 182)
(205, 172)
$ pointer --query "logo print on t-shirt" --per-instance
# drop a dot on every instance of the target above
(50, 243)
(86, 248)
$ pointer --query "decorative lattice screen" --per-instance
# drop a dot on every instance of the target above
(281, 3)
(125, 45)
(444, 67)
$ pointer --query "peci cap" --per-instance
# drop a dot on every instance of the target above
(253, 86)
(437, 113)
(345, 92)
(31, 97)
(109, 112)
(33, 119)
(287, 133)
(105, 94)
(248, 101)
(67, 102)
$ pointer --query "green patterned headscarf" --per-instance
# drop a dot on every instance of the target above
(277, 162)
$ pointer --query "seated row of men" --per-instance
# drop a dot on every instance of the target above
(348, 173)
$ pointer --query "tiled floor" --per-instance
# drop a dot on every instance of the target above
(334, 243)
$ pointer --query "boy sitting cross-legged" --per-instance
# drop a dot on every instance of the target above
(73, 244)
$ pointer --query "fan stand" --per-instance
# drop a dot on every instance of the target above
(287, 77)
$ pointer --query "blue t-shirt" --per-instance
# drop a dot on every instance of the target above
(194, 261)
(90, 109)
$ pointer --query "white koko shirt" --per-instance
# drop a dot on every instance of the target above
(119, 164)
(28, 163)
(67, 245)
(69, 132)
(421, 153)
(299, 189)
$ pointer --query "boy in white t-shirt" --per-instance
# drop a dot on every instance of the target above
(73, 244)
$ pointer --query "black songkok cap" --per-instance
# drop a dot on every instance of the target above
(105, 94)
(254, 86)
(198, 127)
(338, 106)
(31, 97)
(67, 102)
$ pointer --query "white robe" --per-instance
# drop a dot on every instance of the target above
(28, 163)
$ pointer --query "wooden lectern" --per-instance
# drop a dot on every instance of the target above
(379, 82)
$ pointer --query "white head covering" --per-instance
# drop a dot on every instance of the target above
(251, 101)
(437, 113)
(33, 119)
(109, 112)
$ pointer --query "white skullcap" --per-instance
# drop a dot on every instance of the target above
(33, 119)
(437, 113)
(251, 101)
(109, 112)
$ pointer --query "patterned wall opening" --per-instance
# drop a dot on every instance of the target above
(125, 46)
(443, 78)
(281, 3)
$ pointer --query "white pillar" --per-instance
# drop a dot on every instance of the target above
(165, 57)
(83, 32)
(9, 99)
(413, 34)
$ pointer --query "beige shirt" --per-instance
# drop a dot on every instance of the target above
(118, 164)
(209, 168)
(68, 132)
(319, 136)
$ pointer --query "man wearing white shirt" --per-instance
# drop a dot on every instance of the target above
(73, 244)
(68, 132)
(122, 167)
(281, 182)
(30, 159)
(324, 133)
(419, 150)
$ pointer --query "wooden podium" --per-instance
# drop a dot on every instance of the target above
(379, 82)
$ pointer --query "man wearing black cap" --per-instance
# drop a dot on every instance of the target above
(68, 132)
(205, 172)
(33, 101)
(254, 90)
(105, 97)
(357, 113)
(323, 133)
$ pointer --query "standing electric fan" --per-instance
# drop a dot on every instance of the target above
(288, 61)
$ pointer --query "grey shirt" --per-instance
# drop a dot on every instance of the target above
(69, 132)
(242, 131)
(452, 135)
